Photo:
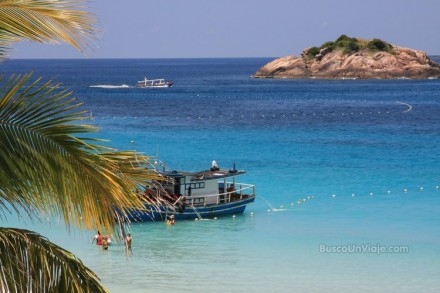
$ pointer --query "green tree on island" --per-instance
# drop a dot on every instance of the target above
(49, 163)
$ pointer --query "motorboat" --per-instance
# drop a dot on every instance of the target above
(154, 83)
(194, 195)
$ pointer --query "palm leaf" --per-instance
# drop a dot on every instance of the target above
(31, 263)
(44, 21)
(48, 168)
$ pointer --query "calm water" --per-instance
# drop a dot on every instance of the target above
(347, 150)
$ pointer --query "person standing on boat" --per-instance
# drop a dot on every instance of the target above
(182, 204)
(214, 166)
(231, 191)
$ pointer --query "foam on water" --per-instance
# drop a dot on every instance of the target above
(109, 86)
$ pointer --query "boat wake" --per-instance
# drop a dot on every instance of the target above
(109, 86)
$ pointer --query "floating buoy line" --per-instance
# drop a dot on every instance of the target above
(303, 200)
(242, 117)
(333, 103)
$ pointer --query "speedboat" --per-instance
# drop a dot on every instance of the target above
(154, 83)
(194, 195)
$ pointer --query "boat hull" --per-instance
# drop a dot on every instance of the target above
(191, 213)
(155, 86)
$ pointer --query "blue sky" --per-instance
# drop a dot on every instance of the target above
(245, 28)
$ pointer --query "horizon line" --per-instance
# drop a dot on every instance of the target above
(121, 58)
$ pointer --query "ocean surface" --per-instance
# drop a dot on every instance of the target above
(347, 174)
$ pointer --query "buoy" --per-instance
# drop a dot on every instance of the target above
(353, 195)
(233, 216)
(405, 190)
(389, 192)
(371, 193)
(334, 195)
(252, 213)
(215, 218)
(268, 210)
(291, 203)
(281, 207)
(421, 188)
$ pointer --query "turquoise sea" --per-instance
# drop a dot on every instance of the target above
(347, 175)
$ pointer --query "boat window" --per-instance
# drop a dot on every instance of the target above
(195, 185)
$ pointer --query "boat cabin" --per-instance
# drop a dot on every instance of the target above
(206, 187)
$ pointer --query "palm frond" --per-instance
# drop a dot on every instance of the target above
(47, 167)
(6, 41)
(31, 263)
(45, 21)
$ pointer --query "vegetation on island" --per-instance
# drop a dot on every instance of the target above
(50, 163)
(350, 45)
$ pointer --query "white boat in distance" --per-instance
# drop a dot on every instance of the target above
(154, 83)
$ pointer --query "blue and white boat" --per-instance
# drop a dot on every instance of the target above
(196, 195)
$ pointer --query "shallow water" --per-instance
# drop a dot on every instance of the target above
(346, 150)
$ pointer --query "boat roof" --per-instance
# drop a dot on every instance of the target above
(146, 79)
(211, 174)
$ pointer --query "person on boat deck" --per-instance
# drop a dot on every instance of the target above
(214, 166)
(182, 204)
(233, 194)
(175, 196)
(98, 237)
(149, 194)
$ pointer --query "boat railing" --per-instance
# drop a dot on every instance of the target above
(244, 190)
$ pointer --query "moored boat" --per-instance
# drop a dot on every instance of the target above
(196, 195)
(154, 83)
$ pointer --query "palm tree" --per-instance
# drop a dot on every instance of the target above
(49, 162)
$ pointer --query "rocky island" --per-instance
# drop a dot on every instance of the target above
(352, 58)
